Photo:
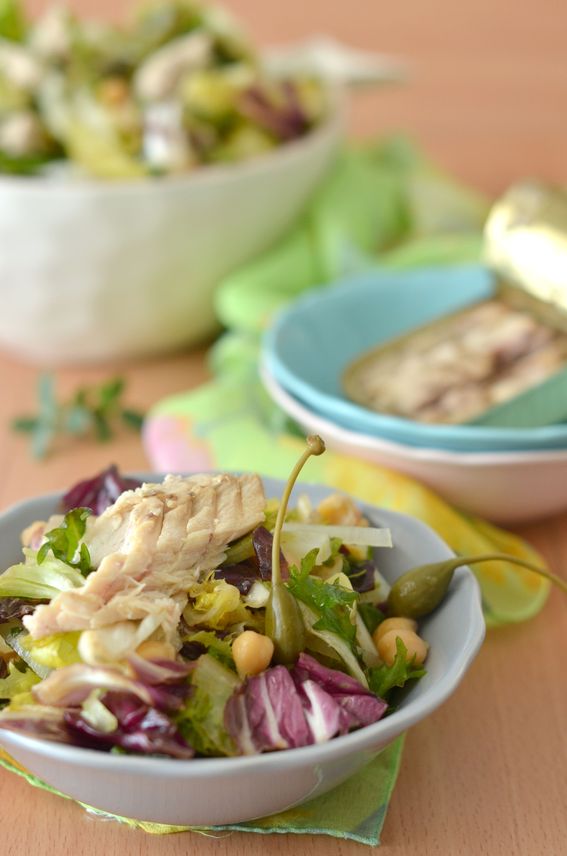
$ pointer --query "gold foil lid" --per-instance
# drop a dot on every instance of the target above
(526, 241)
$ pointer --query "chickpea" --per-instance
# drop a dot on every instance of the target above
(416, 647)
(151, 650)
(252, 653)
(393, 624)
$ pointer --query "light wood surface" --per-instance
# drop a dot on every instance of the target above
(487, 773)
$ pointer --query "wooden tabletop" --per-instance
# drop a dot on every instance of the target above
(487, 773)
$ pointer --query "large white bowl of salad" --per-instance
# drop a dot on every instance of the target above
(195, 651)
(138, 165)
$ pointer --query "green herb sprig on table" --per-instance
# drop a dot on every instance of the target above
(93, 411)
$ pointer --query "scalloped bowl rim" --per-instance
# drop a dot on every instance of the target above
(384, 730)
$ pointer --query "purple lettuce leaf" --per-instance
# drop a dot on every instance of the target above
(358, 705)
(262, 540)
(242, 575)
(99, 492)
(361, 575)
(141, 729)
(13, 608)
(283, 116)
(285, 709)
(266, 713)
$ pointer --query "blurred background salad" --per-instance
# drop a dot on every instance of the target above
(176, 87)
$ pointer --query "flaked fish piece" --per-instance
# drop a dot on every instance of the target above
(157, 540)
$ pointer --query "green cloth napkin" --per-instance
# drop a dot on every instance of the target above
(355, 810)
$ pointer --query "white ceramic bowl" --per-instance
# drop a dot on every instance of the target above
(216, 791)
(93, 270)
(506, 487)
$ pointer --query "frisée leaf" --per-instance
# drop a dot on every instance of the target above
(331, 602)
(382, 679)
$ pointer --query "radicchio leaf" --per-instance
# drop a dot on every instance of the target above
(13, 608)
(361, 575)
(266, 713)
(242, 575)
(140, 729)
(262, 540)
(281, 709)
(358, 706)
(99, 492)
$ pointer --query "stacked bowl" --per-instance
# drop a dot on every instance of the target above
(508, 474)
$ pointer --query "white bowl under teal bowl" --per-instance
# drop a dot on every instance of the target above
(211, 791)
(505, 487)
(312, 341)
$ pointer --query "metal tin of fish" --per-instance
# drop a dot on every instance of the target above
(525, 244)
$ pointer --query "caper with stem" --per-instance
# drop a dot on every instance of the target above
(284, 624)
(420, 590)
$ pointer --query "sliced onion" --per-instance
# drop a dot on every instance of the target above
(365, 536)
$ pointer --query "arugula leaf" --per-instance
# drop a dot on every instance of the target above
(63, 541)
(90, 411)
(332, 603)
(382, 679)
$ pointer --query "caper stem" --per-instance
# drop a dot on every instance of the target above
(503, 557)
(315, 446)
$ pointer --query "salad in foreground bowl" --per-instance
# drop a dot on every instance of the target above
(197, 617)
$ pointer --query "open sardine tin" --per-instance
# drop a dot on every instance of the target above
(500, 360)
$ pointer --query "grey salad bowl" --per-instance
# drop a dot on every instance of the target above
(214, 791)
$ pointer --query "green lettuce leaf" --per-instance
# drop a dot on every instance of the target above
(382, 679)
(64, 541)
(39, 581)
(201, 721)
(220, 649)
(331, 602)
(17, 682)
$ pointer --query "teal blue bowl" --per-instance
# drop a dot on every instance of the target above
(312, 341)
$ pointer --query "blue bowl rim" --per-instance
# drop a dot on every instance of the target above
(352, 415)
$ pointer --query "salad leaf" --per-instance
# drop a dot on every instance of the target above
(39, 582)
(334, 702)
(382, 679)
(243, 548)
(13, 608)
(63, 541)
(99, 492)
(331, 602)
(216, 604)
(220, 649)
(332, 642)
(281, 709)
(201, 721)
(266, 713)
(371, 615)
(17, 682)
(51, 652)
(120, 719)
